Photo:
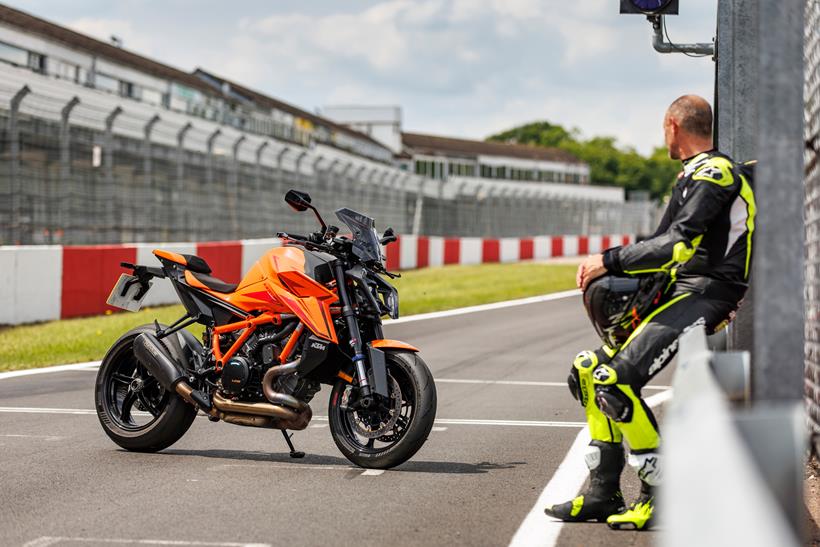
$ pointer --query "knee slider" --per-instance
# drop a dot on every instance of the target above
(585, 360)
(614, 403)
(574, 384)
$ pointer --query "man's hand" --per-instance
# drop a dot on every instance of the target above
(591, 268)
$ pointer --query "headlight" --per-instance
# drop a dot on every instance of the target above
(391, 300)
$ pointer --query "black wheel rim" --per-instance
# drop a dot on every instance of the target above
(132, 397)
(398, 431)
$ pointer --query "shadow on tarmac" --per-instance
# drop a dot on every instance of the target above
(310, 460)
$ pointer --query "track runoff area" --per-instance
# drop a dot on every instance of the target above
(508, 440)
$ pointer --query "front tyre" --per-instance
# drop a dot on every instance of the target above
(391, 434)
(134, 410)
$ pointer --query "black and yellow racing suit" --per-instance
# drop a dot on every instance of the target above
(704, 241)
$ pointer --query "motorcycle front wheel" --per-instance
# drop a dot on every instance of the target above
(390, 433)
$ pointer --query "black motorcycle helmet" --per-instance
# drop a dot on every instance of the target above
(617, 305)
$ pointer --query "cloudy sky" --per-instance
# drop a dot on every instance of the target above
(457, 67)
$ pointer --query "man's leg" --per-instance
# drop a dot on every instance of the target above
(604, 456)
(618, 389)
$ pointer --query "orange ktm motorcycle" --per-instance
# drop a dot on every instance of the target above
(306, 314)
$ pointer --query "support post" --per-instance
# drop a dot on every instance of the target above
(60, 215)
(148, 179)
(214, 216)
(16, 186)
(112, 202)
(180, 184)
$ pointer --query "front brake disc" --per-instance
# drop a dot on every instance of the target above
(386, 421)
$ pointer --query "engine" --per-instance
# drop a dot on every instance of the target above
(242, 375)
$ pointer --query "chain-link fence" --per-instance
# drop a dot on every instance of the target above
(812, 215)
(100, 169)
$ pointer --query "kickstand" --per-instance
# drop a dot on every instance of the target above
(293, 452)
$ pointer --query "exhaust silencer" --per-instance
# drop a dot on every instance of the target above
(155, 357)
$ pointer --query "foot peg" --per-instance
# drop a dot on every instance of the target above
(293, 452)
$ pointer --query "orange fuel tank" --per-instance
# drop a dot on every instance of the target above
(289, 279)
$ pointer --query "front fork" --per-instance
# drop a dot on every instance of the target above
(355, 335)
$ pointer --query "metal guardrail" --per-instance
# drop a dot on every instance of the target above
(733, 473)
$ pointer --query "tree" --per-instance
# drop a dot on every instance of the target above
(609, 164)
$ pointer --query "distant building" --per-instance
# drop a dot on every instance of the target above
(383, 123)
(445, 157)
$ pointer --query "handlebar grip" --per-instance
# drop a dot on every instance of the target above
(291, 235)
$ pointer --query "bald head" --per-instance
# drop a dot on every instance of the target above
(688, 126)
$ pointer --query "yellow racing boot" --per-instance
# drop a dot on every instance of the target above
(640, 515)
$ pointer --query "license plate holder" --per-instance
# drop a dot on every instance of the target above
(125, 291)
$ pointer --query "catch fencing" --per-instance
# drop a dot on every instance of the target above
(81, 166)
(812, 216)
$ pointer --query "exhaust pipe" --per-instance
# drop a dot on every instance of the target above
(276, 397)
(152, 354)
(261, 414)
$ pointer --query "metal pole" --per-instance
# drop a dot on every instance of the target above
(736, 105)
(16, 185)
(259, 197)
(214, 214)
(777, 272)
(148, 179)
(61, 215)
(233, 189)
(170, 203)
(112, 202)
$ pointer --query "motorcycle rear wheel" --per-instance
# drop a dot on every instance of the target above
(134, 410)
(405, 425)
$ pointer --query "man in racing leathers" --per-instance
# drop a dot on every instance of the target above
(704, 242)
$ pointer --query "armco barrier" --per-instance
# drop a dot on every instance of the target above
(40, 283)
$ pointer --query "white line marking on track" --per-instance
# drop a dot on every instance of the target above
(520, 383)
(442, 421)
(484, 307)
(44, 437)
(50, 540)
(91, 365)
(410, 318)
(372, 472)
(439, 429)
(539, 530)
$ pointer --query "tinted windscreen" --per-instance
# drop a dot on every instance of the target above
(365, 241)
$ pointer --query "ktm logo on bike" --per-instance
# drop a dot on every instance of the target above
(317, 345)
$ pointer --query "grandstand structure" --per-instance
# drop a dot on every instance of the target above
(101, 145)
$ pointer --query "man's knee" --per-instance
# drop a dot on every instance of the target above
(579, 374)
(613, 401)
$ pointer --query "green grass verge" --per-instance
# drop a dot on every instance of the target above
(432, 289)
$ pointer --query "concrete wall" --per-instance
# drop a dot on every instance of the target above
(41, 283)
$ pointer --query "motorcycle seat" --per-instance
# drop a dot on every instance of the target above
(205, 281)
(191, 262)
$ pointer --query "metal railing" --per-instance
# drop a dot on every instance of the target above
(733, 473)
(91, 168)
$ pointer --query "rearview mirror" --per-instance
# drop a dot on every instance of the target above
(299, 201)
(389, 236)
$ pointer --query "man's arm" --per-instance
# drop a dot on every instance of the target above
(714, 186)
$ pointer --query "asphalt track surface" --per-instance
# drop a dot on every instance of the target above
(502, 430)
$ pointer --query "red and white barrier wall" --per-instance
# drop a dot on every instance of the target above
(44, 282)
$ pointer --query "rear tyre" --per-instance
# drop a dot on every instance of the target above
(134, 410)
(391, 435)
